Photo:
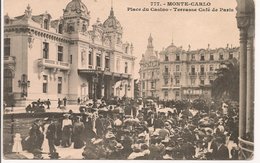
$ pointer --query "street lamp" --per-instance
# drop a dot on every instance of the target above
(95, 81)
(24, 83)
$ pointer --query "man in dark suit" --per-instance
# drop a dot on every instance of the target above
(51, 135)
(222, 151)
(211, 147)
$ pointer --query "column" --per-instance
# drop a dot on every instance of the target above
(94, 58)
(250, 86)
(103, 85)
(103, 55)
(242, 82)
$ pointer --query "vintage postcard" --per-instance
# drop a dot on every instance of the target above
(128, 80)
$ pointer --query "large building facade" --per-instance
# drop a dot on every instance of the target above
(51, 59)
(176, 74)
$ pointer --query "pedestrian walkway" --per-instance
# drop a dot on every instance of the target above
(74, 108)
(64, 153)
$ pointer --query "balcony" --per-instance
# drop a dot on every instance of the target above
(166, 74)
(166, 86)
(48, 63)
(9, 60)
(194, 74)
(202, 74)
(177, 73)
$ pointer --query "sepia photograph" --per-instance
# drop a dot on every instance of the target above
(128, 80)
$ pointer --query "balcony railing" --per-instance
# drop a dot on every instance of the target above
(9, 60)
(177, 73)
(193, 73)
(246, 149)
(48, 63)
(166, 74)
(202, 74)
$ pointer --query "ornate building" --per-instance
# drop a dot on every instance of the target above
(182, 73)
(51, 59)
(149, 71)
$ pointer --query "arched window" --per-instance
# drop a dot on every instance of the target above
(166, 58)
(60, 30)
(202, 57)
(46, 24)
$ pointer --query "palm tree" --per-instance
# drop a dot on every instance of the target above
(227, 81)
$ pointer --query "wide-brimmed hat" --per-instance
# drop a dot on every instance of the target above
(110, 136)
(66, 115)
(97, 141)
(141, 135)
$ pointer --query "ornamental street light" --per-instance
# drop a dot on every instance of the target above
(24, 84)
(95, 82)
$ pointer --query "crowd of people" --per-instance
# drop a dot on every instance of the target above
(128, 130)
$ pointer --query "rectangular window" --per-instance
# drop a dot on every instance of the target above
(70, 59)
(177, 94)
(177, 68)
(60, 53)
(211, 81)
(202, 82)
(192, 81)
(144, 75)
(166, 58)
(90, 56)
(211, 68)
(193, 70)
(211, 57)
(193, 57)
(177, 57)
(107, 62)
(230, 55)
(166, 70)
(165, 81)
(46, 50)
(152, 85)
(45, 84)
(7, 47)
(166, 94)
(202, 70)
(143, 85)
(59, 85)
(98, 58)
(126, 67)
(177, 81)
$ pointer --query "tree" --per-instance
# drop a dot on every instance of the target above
(227, 81)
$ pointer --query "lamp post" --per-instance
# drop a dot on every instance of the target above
(95, 81)
(24, 84)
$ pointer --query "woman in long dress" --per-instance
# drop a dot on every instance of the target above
(17, 147)
(78, 130)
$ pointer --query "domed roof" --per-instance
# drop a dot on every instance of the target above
(172, 48)
(76, 8)
(112, 23)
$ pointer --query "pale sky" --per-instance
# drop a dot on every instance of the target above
(195, 28)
